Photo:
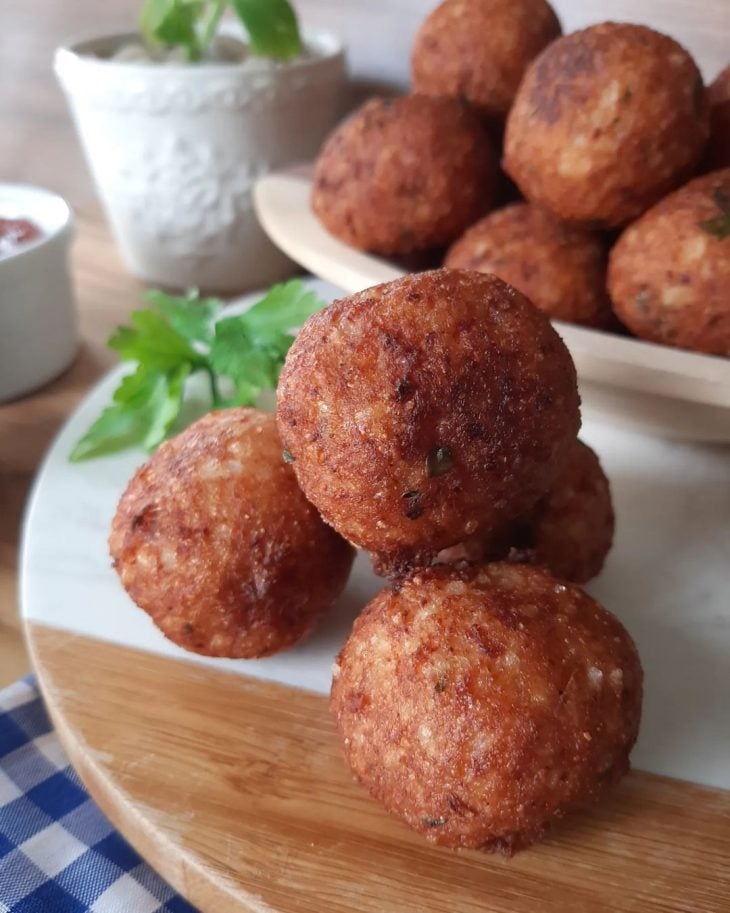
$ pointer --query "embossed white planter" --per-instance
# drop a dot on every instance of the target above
(174, 151)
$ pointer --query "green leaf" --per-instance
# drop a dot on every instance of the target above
(180, 336)
(272, 27)
(145, 406)
(116, 429)
(285, 307)
(151, 17)
(210, 20)
(122, 424)
(233, 355)
(174, 23)
(191, 315)
(152, 341)
(191, 24)
(164, 406)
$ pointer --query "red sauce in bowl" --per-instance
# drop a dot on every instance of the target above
(14, 233)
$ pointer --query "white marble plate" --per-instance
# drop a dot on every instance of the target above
(667, 579)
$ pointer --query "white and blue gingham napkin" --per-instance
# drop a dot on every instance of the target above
(58, 853)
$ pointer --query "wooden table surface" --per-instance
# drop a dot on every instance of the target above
(38, 145)
(105, 294)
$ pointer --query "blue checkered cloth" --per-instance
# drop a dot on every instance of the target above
(58, 853)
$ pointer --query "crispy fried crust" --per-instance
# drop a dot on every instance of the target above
(569, 531)
(427, 409)
(606, 121)
(215, 541)
(479, 50)
(404, 175)
(560, 268)
(669, 272)
(718, 94)
(480, 705)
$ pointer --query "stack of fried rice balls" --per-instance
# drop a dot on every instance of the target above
(603, 134)
(433, 423)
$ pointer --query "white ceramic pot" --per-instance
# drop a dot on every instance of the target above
(174, 151)
(38, 334)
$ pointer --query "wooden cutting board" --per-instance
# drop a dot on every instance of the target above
(234, 791)
(226, 775)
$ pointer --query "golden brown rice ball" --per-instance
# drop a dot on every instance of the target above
(606, 121)
(480, 705)
(718, 94)
(569, 531)
(215, 541)
(669, 272)
(560, 268)
(478, 50)
(428, 409)
(405, 174)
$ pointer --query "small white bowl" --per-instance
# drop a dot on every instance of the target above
(38, 331)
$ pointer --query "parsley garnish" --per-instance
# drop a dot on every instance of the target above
(178, 337)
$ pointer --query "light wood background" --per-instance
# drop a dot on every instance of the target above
(37, 145)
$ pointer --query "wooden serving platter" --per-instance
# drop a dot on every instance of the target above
(653, 388)
(234, 790)
(227, 775)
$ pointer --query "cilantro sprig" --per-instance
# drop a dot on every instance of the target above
(178, 337)
(272, 25)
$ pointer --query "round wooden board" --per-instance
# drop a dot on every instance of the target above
(227, 775)
(234, 790)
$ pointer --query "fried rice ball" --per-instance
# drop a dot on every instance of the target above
(718, 94)
(404, 175)
(560, 268)
(669, 272)
(215, 541)
(569, 531)
(478, 50)
(606, 121)
(427, 409)
(479, 705)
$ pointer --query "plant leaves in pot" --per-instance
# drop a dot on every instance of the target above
(179, 119)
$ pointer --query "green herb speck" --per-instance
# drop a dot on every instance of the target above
(719, 227)
(439, 462)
